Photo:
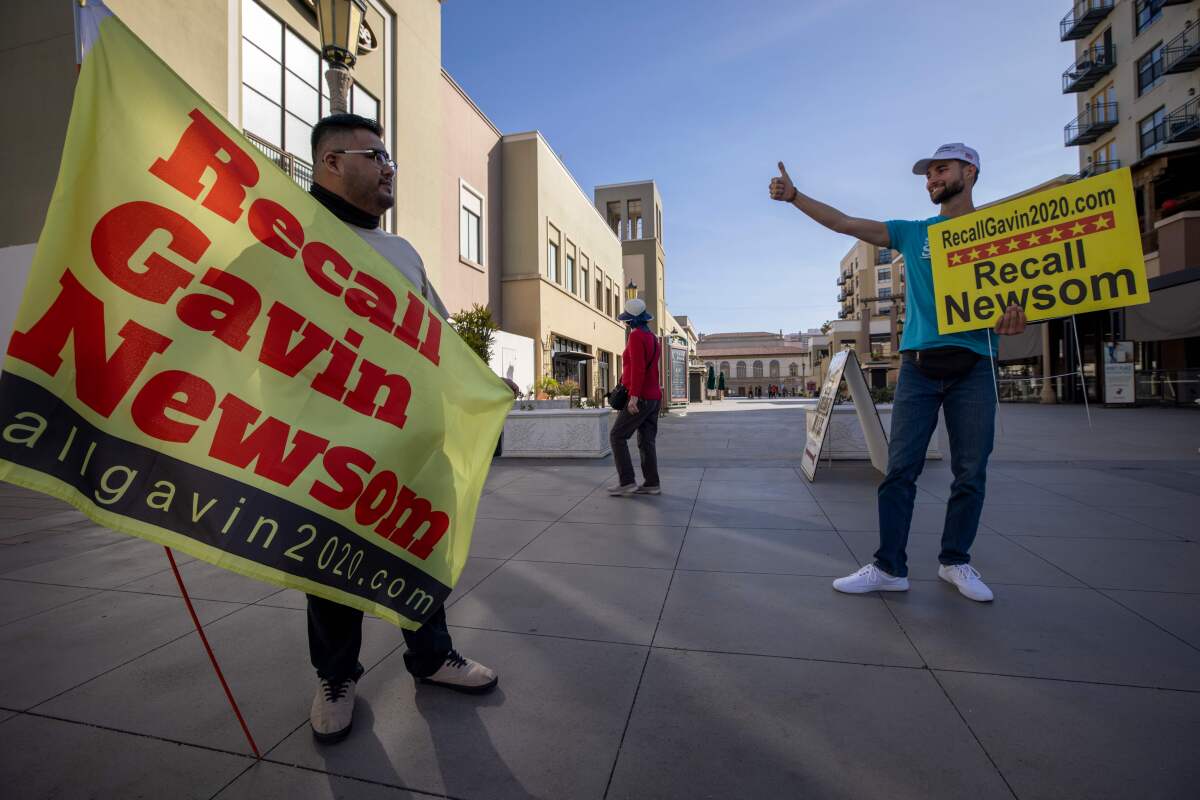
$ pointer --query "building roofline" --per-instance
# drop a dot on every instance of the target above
(470, 102)
(626, 183)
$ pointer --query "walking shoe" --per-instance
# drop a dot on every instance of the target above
(624, 490)
(643, 489)
(967, 579)
(333, 709)
(463, 675)
(870, 579)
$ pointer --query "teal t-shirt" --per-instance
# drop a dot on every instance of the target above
(911, 238)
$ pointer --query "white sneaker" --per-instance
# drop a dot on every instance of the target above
(870, 579)
(464, 675)
(333, 710)
(623, 490)
(967, 579)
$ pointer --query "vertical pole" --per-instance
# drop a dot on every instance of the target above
(1079, 366)
(204, 639)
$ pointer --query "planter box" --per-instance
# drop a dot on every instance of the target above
(844, 440)
(557, 433)
(538, 405)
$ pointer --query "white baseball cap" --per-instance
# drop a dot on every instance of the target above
(953, 150)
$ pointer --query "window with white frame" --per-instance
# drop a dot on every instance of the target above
(570, 270)
(470, 226)
(585, 286)
(552, 254)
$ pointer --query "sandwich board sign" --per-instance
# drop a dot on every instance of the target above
(844, 365)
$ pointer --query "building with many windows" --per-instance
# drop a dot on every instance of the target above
(754, 361)
(871, 290)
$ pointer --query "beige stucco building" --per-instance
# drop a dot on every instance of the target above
(752, 361)
(498, 219)
(870, 290)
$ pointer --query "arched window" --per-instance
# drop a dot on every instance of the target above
(774, 369)
(793, 369)
(758, 369)
(725, 368)
(741, 369)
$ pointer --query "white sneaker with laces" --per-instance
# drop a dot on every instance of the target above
(332, 710)
(623, 490)
(870, 579)
(464, 675)
(967, 579)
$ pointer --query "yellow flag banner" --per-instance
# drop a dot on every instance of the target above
(206, 358)
(1063, 251)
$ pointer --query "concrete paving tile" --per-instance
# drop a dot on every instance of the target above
(612, 604)
(1055, 740)
(29, 549)
(795, 729)
(527, 507)
(782, 515)
(37, 519)
(103, 567)
(6, 715)
(551, 728)
(1083, 522)
(673, 489)
(634, 510)
(61, 648)
(502, 538)
(1177, 613)
(611, 545)
(204, 581)
(285, 598)
(1139, 495)
(266, 780)
(772, 551)
(745, 490)
(475, 571)
(263, 653)
(45, 758)
(19, 600)
(563, 486)
(1120, 564)
(864, 516)
(1069, 634)
(1020, 493)
(779, 615)
(999, 560)
(1164, 520)
(752, 474)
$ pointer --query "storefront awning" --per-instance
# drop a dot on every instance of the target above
(1173, 311)
(570, 356)
(1027, 344)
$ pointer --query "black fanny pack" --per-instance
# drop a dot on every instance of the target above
(618, 398)
(943, 363)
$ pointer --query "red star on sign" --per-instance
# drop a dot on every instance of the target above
(1033, 239)
(955, 258)
(974, 254)
(1013, 244)
(1101, 222)
(993, 249)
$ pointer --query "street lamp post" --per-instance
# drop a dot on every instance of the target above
(631, 291)
(340, 22)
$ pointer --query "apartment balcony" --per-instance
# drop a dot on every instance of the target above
(1098, 168)
(1089, 126)
(1083, 18)
(1182, 54)
(297, 169)
(841, 297)
(841, 281)
(884, 257)
(1183, 124)
(1092, 65)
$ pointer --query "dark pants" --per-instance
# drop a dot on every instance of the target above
(645, 422)
(335, 636)
(969, 404)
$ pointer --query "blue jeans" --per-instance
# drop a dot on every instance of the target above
(969, 404)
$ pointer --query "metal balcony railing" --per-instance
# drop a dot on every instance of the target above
(841, 297)
(1092, 65)
(1182, 54)
(1183, 124)
(1098, 168)
(1083, 18)
(297, 169)
(841, 281)
(1089, 126)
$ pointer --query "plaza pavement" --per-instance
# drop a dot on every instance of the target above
(682, 646)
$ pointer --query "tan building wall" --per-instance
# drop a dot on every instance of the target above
(634, 213)
(542, 203)
(472, 165)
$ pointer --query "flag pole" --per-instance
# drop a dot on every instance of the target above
(217, 667)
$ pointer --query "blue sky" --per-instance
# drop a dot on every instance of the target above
(705, 97)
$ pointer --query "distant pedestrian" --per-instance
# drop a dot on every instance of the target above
(954, 372)
(639, 374)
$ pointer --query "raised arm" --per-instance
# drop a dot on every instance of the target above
(868, 230)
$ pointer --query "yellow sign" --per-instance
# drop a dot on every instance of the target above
(1064, 251)
(207, 358)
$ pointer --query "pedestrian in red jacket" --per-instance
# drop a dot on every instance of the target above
(639, 374)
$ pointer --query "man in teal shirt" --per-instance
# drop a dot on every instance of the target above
(954, 372)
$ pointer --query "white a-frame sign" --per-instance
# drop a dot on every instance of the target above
(844, 365)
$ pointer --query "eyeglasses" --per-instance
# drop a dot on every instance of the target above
(380, 157)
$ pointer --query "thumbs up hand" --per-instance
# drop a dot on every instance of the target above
(782, 188)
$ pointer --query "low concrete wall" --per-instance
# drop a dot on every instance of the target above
(557, 433)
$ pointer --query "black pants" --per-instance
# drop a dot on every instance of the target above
(645, 422)
(335, 636)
